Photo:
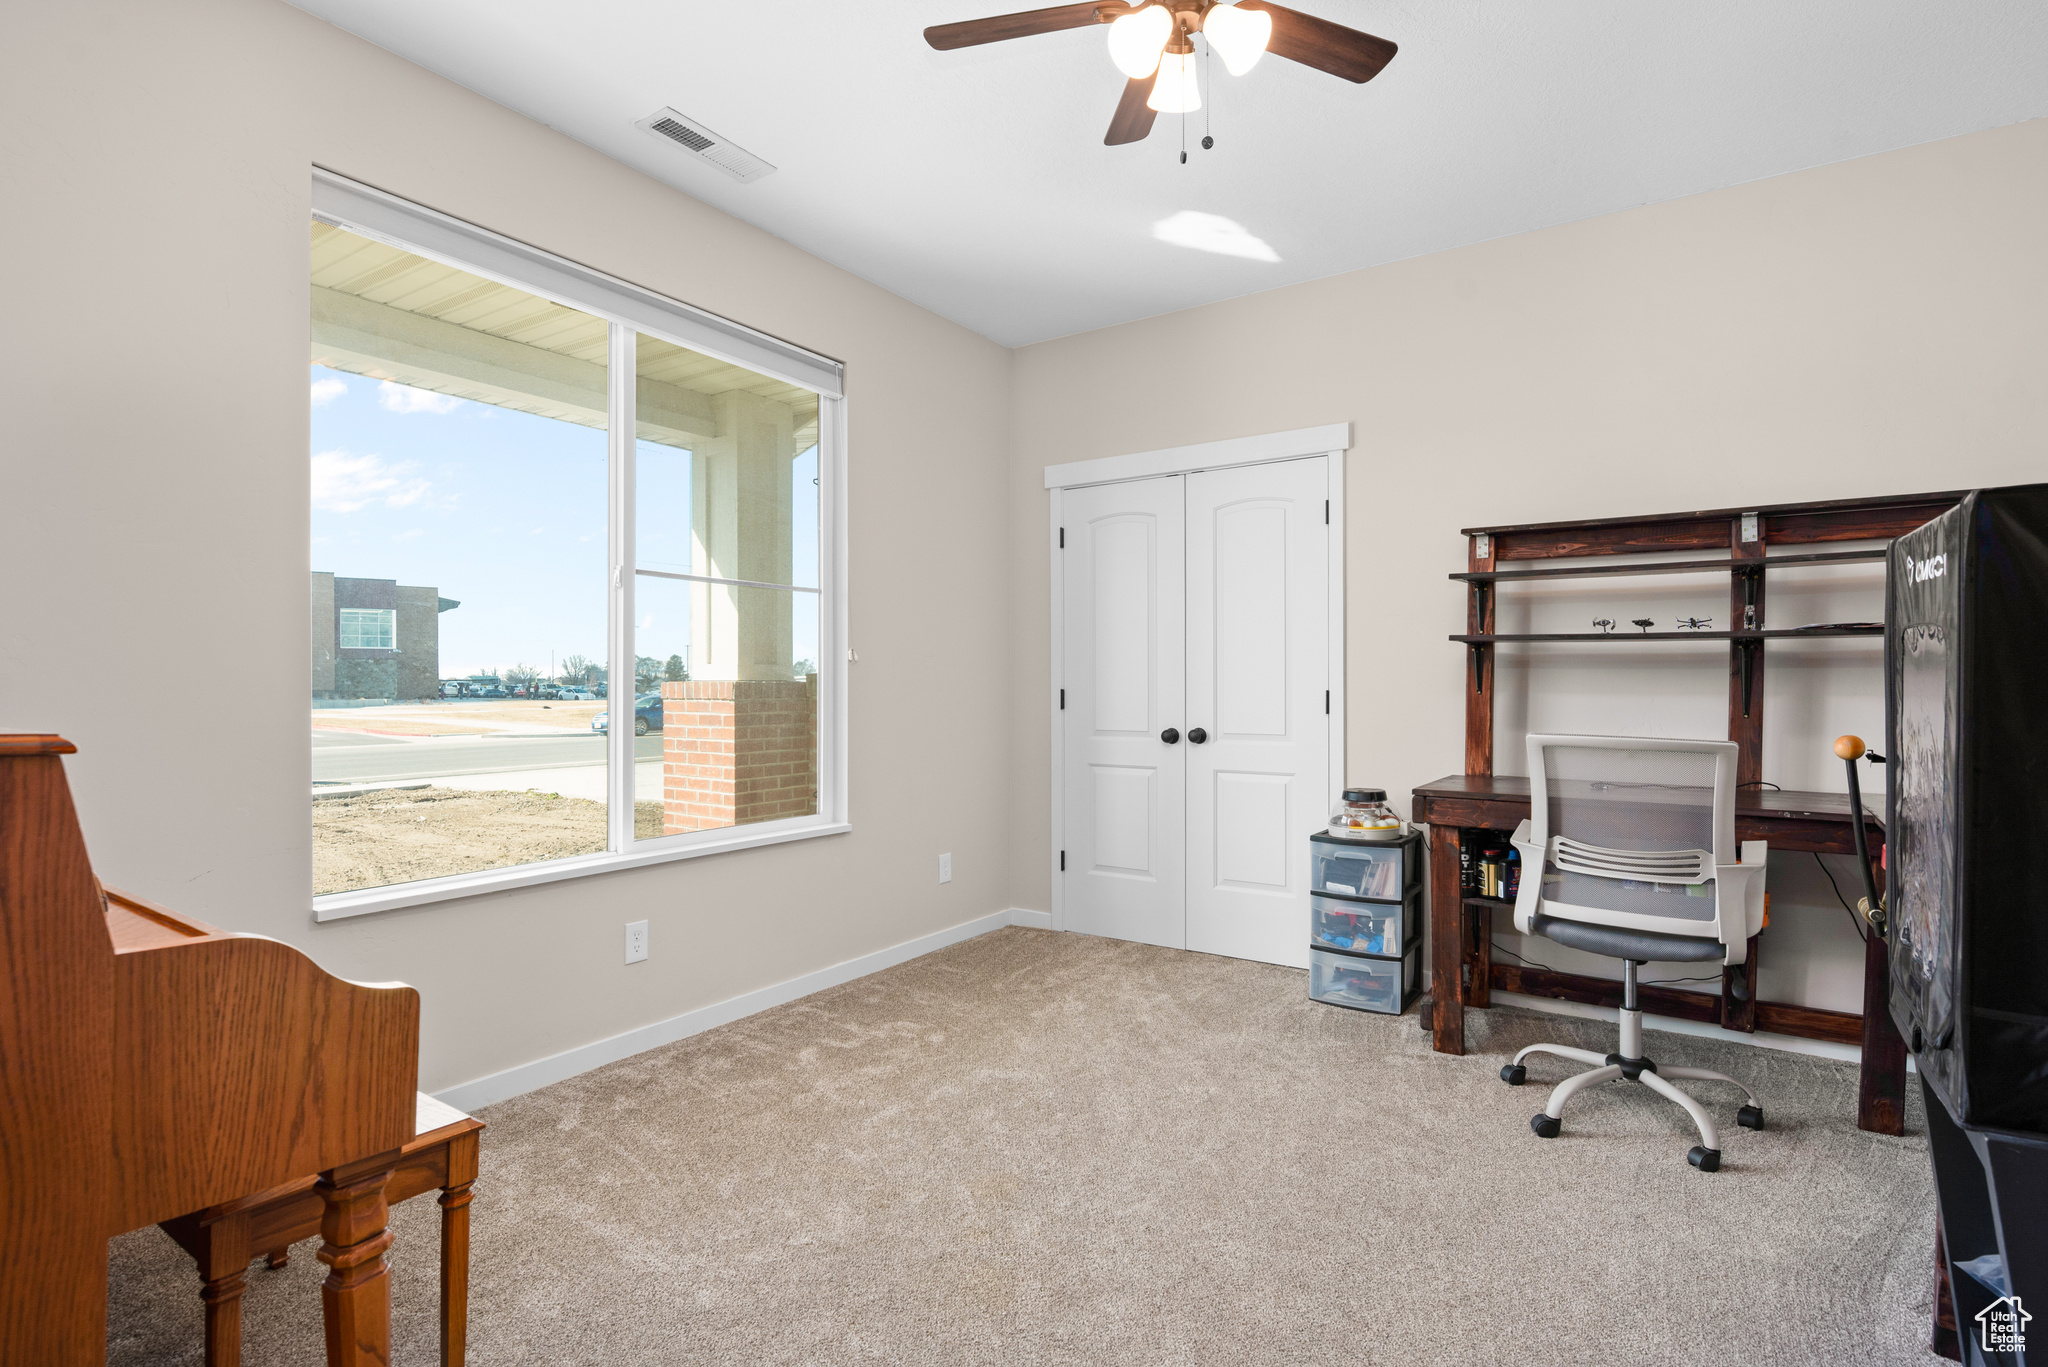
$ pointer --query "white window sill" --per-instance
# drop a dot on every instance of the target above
(338, 905)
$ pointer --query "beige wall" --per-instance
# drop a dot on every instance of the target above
(155, 166)
(1872, 327)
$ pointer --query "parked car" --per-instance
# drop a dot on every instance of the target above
(578, 695)
(646, 716)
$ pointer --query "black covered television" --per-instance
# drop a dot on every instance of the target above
(1966, 692)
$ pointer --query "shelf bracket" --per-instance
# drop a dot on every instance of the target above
(1748, 649)
(1751, 575)
(1478, 667)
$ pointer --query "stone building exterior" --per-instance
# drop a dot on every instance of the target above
(376, 638)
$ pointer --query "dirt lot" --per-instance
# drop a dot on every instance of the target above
(403, 835)
(458, 718)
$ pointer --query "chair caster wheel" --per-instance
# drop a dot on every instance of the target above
(1706, 1160)
(1514, 1075)
(1750, 1117)
(1545, 1125)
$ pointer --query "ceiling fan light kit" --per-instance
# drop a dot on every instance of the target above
(1175, 92)
(1137, 39)
(1239, 36)
(1152, 44)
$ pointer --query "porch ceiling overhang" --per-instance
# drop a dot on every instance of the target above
(387, 314)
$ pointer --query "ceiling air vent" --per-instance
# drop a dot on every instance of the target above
(742, 165)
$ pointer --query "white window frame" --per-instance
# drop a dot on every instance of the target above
(630, 310)
(390, 616)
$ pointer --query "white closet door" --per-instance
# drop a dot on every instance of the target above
(1258, 665)
(1125, 657)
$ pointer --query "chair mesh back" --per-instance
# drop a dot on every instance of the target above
(1631, 830)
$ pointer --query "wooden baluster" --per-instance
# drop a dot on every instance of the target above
(356, 1297)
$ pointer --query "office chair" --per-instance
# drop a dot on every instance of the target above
(1629, 851)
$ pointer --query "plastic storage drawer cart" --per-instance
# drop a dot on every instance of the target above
(1365, 921)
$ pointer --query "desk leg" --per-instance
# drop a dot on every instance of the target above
(1881, 1084)
(356, 1297)
(1478, 980)
(223, 1297)
(1446, 942)
(223, 1257)
(1941, 1336)
(455, 1198)
(1737, 1014)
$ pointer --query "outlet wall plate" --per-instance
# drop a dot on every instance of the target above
(945, 868)
(636, 941)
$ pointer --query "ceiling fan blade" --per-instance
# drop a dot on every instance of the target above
(1133, 117)
(1323, 45)
(969, 32)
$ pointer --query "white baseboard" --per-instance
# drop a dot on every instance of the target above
(527, 1077)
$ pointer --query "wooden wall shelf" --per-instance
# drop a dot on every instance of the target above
(1673, 567)
(1773, 634)
(1461, 970)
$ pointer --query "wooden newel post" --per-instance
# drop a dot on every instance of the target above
(356, 1297)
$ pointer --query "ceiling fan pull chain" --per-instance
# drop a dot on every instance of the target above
(1208, 79)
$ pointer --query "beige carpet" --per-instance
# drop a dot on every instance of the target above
(1043, 1148)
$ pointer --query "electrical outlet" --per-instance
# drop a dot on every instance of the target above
(945, 868)
(636, 941)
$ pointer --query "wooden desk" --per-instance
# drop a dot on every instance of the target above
(223, 1239)
(152, 1064)
(1462, 971)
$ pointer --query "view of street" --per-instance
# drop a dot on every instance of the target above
(507, 745)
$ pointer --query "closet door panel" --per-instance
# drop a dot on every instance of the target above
(1125, 649)
(1258, 664)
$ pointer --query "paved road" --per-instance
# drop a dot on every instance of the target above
(342, 758)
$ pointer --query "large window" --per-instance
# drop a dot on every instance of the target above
(365, 628)
(541, 646)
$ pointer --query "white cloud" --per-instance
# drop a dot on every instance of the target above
(403, 398)
(1212, 233)
(343, 483)
(327, 390)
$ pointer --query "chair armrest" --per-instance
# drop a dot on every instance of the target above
(1529, 897)
(1739, 899)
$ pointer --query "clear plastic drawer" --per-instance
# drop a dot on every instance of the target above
(1363, 983)
(1359, 927)
(1356, 870)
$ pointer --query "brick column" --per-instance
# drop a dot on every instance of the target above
(737, 751)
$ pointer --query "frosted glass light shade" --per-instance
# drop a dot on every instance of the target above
(1238, 35)
(1175, 92)
(1136, 39)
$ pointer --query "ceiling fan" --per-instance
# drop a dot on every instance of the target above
(1151, 42)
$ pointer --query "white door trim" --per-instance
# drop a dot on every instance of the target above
(1338, 436)
(1332, 440)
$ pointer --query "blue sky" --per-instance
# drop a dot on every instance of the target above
(505, 512)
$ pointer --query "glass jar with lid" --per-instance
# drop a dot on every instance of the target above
(1365, 815)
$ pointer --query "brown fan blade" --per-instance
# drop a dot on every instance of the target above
(1323, 45)
(969, 32)
(1133, 117)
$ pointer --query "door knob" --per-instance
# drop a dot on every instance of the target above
(1197, 736)
(1170, 736)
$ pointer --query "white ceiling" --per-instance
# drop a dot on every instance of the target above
(976, 184)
